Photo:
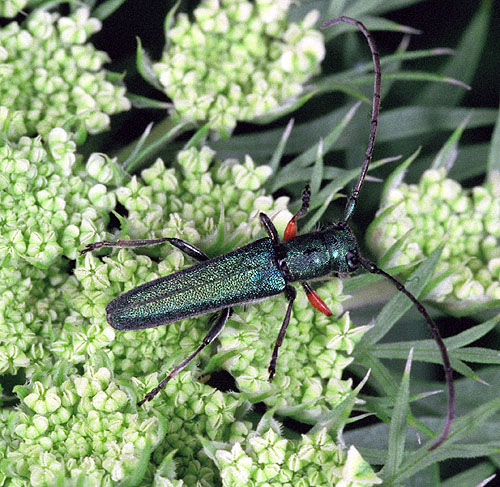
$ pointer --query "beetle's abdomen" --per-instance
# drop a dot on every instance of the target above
(241, 276)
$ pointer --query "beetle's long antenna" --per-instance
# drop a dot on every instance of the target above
(351, 202)
(371, 267)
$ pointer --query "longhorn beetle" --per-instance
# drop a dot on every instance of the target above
(260, 270)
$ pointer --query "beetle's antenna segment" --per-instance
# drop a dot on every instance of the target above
(351, 202)
(371, 267)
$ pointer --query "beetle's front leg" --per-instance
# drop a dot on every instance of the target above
(270, 229)
(291, 228)
(186, 247)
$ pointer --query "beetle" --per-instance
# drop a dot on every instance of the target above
(261, 269)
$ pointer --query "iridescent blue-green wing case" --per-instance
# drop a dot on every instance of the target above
(244, 275)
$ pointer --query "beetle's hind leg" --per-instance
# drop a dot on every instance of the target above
(209, 338)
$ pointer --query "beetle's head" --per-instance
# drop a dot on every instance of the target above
(343, 247)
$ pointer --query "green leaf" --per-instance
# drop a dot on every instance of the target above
(317, 170)
(288, 106)
(394, 124)
(447, 155)
(472, 476)
(335, 419)
(145, 68)
(494, 152)
(278, 152)
(472, 334)
(464, 64)
(198, 137)
(397, 431)
(310, 155)
(399, 303)
(105, 9)
(462, 427)
(144, 102)
(133, 163)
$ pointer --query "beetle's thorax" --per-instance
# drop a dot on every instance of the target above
(317, 254)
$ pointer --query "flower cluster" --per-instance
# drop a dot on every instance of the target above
(193, 409)
(10, 8)
(237, 60)
(46, 208)
(76, 429)
(270, 459)
(417, 218)
(56, 79)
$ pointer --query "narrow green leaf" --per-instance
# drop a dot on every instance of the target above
(169, 21)
(424, 76)
(198, 136)
(132, 165)
(387, 62)
(478, 355)
(140, 101)
(285, 108)
(331, 191)
(309, 156)
(139, 145)
(472, 476)
(278, 152)
(464, 370)
(447, 155)
(105, 9)
(357, 9)
(397, 430)
(145, 68)
(494, 152)
(399, 303)
(397, 176)
(394, 249)
(335, 419)
(372, 23)
(472, 334)
(395, 124)
(385, 380)
(462, 427)
(317, 170)
(464, 64)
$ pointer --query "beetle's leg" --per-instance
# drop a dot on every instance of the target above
(186, 247)
(315, 300)
(270, 229)
(209, 338)
(189, 249)
(290, 294)
(291, 228)
(123, 243)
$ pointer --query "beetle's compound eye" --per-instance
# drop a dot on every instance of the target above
(352, 261)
